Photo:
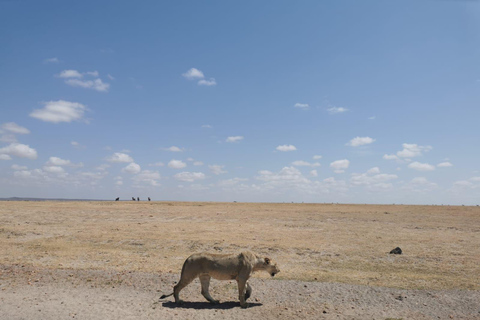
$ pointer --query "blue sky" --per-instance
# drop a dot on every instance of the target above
(315, 101)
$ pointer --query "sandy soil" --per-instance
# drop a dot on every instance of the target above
(27, 293)
(106, 260)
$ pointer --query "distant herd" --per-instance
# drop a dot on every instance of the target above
(133, 199)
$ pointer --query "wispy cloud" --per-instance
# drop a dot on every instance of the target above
(360, 141)
(195, 74)
(189, 176)
(286, 148)
(340, 166)
(9, 130)
(444, 164)
(335, 110)
(303, 106)
(234, 139)
(51, 60)
(421, 166)
(96, 84)
(174, 149)
(217, 169)
(119, 157)
(75, 79)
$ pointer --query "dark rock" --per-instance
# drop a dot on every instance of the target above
(397, 250)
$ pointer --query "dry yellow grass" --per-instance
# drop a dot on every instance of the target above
(317, 242)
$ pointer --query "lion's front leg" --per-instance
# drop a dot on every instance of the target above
(242, 282)
(248, 292)
(205, 282)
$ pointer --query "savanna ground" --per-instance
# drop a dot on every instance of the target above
(112, 260)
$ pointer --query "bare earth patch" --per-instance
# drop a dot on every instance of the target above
(112, 260)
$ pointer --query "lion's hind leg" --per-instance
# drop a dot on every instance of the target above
(205, 281)
(184, 281)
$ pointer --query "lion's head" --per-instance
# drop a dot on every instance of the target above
(270, 266)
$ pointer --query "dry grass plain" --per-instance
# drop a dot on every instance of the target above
(311, 242)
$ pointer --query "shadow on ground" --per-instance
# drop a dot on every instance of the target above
(207, 305)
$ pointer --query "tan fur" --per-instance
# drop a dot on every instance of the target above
(238, 267)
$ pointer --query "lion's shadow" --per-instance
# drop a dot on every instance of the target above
(207, 305)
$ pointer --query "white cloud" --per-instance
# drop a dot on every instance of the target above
(217, 169)
(54, 169)
(102, 167)
(421, 166)
(303, 106)
(5, 157)
(51, 60)
(420, 184)
(14, 128)
(174, 149)
(286, 174)
(373, 179)
(17, 167)
(286, 148)
(301, 163)
(289, 180)
(109, 76)
(210, 82)
(189, 176)
(147, 177)
(476, 179)
(176, 164)
(69, 74)
(198, 163)
(340, 166)
(73, 79)
(412, 150)
(193, 73)
(119, 157)
(96, 84)
(444, 164)
(390, 157)
(132, 168)
(373, 170)
(334, 110)
(18, 150)
(234, 139)
(74, 143)
(317, 157)
(207, 126)
(60, 111)
(9, 130)
(55, 161)
(314, 173)
(360, 141)
(231, 182)
(371, 118)
(92, 73)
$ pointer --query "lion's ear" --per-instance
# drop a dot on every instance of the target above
(267, 260)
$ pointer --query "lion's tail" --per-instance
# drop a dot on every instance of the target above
(166, 296)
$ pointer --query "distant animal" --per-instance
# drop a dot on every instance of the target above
(133, 198)
(117, 199)
(148, 198)
(239, 266)
(138, 199)
(397, 250)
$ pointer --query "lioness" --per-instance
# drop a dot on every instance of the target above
(223, 267)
